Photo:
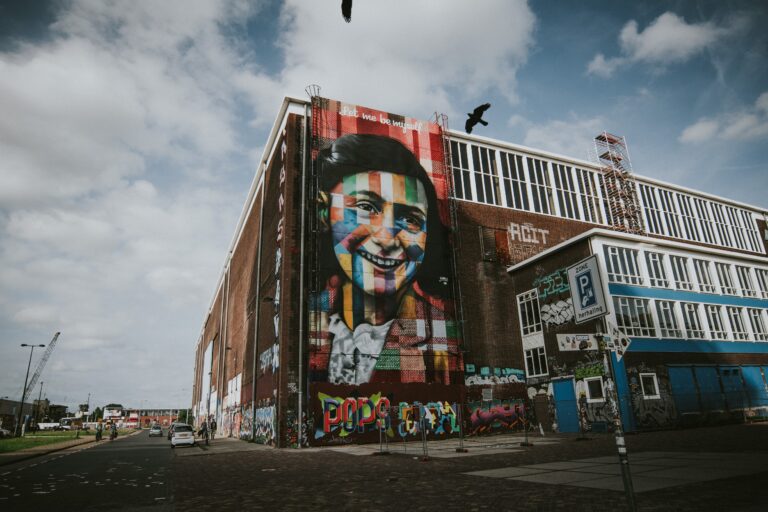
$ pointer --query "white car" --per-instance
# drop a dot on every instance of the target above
(182, 434)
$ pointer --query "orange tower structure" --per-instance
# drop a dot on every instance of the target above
(620, 188)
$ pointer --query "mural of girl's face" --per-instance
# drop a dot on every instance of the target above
(378, 222)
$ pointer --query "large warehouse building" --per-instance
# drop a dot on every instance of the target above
(389, 275)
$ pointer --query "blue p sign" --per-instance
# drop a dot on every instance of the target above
(586, 289)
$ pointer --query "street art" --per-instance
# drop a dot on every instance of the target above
(270, 359)
(576, 342)
(588, 370)
(384, 312)
(551, 284)
(246, 424)
(653, 413)
(490, 376)
(295, 431)
(265, 425)
(343, 417)
(557, 313)
(497, 415)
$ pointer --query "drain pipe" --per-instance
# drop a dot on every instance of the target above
(257, 308)
(304, 154)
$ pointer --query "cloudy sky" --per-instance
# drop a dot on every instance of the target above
(130, 132)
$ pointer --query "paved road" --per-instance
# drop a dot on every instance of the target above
(130, 473)
(717, 468)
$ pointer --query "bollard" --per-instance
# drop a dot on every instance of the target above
(461, 448)
(525, 428)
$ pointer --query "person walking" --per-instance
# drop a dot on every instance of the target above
(213, 428)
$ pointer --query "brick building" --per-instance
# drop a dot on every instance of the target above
(388, 273)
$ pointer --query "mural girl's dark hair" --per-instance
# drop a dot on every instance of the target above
(355, 153)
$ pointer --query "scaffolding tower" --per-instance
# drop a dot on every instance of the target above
(619, 189)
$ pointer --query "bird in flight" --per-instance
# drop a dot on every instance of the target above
(346, 10)
(476, 117)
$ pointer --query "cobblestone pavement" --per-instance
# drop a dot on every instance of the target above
(350, 478)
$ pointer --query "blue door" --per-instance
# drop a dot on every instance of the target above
(684, 389)
(565, 405)
(733, 387)
(757, 392)
(712, 398)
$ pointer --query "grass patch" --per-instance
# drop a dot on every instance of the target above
(41, 438)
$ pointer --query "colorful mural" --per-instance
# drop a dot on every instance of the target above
(498, 415)
(265, 425)
(382, 311)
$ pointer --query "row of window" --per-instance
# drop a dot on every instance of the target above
(502, 178)
(595, 388)
(697, 219)
(656, 318)
(660, 270)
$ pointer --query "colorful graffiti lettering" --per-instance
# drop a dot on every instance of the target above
(435, 417)
(496, 415)
(348, 415)
(490, 376)
(265, 425)
(552, 284)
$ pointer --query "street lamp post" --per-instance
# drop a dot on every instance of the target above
(24, 392)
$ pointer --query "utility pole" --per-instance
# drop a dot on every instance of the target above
(88, 406)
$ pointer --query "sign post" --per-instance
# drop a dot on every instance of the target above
(586, 290)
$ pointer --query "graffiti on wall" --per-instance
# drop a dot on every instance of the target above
(497, 415)
(344, 416)
(385, 311)
(265, 425)
(651, 413)
(246, 424)
(527, 233)
(270, 358)
(295, 431)
(487, 375)
(551, 284)
(557, 313)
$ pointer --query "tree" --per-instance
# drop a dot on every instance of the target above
(185, 417)
(98, 414)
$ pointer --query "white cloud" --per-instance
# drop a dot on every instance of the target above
(749, 123)
(573, 137)
(666, 40)
(405, 61)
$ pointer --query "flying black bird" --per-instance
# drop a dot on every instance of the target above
(476, 117)
(346, 10)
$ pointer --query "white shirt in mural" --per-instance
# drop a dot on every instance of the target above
(354, 354)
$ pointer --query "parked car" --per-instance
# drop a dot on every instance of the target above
(182, 434)
(156, 430)
(5, 433)
(170, 430)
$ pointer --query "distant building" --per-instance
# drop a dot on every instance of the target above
(390, 273)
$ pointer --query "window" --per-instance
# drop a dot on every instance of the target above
(655, 263)
(650, 385)
(651, 209)
(540, 187)
(693, 327)
(736, 227)
(762, 281)
(670, 213)
(703, 276)
(590, 202)
(722, 227)
(715, 319)
(745, 281)
(530, 317)
(707, 228)
(680, 273)
(689, 221)
(758, 326)
(536, 362)
(622, 265)
(566, 191)
(737, 323)
(667, 320)
(486, 180)
(461, 174)
(513, 177)
(724, 276)
(595, 391)
(633, 316)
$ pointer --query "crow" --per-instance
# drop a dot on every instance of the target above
(346, 10)
(476, 117)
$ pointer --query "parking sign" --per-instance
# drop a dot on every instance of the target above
(586, 290)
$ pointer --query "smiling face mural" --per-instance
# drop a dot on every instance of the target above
(379, 225)
(383, 311)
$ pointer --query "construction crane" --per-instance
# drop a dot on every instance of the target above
(40, 366)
